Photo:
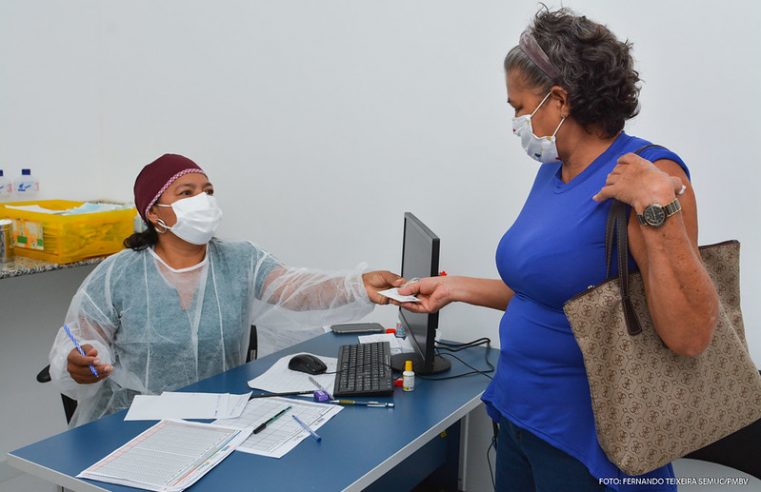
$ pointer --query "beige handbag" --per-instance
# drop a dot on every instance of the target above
(651, 405)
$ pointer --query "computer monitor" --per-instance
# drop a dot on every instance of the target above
(420, 258)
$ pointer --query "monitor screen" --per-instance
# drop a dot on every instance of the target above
(420, 258)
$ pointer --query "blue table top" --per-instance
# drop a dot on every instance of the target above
(354, 443)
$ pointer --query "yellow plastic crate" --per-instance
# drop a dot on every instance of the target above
(67, 238)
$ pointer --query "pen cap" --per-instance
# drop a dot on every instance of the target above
(408, 365)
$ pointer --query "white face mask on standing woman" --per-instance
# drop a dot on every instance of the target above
(542, 149)
(197, 218)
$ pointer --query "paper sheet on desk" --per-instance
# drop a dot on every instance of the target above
(179, 405)
(170, 456)
(398, 345)
(284, 434)
(280, 379)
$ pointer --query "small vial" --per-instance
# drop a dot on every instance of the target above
(400, 332)
(408, 377)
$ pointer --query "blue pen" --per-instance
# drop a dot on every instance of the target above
(306, 428)
(79, 349)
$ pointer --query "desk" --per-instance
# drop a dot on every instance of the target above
(383, 449)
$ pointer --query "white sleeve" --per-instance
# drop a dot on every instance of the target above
(92, 320)
(304, 297)
(291, 304)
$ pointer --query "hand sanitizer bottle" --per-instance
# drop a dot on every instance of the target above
(6, 188)
(26, 186)
(408, 377)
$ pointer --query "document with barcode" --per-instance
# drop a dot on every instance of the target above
(169, 456)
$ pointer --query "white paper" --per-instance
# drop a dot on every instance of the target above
(169, 456)
(280, 379)
(398, 345)
(35, 208)
(179, 405)
(394, 294)
(284, 434)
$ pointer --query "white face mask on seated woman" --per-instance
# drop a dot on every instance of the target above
(197, 218)
(542, 149)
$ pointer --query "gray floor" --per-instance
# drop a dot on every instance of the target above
(696, 469)
(27, 483)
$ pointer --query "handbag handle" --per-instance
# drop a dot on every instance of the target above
(616, 229)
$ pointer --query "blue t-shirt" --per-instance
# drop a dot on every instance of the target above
(554, 250)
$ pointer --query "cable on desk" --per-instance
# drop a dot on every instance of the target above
(456, 347)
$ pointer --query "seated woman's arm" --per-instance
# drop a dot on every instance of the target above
(289, 296)
(93, 325)
(70, 371)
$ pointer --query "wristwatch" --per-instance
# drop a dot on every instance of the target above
(655, 215)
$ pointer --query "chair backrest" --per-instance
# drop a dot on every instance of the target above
(253, 345)
(70, 405)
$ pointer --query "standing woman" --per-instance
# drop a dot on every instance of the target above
(572, 85)
(176, 307)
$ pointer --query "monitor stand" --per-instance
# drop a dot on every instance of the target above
(440, 364)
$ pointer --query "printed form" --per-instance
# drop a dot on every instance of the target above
(283, 434)
(169, 456)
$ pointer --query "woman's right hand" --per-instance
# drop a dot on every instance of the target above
(78, 366)
(433, 292)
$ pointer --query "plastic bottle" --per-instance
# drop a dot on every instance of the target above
(399, 331)
(6, 188)
(408, 377)
(26, 186)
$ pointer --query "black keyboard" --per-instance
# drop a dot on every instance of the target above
(364, 369)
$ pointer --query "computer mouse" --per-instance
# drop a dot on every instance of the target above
(307, 363)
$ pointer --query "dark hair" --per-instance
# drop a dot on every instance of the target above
(141, 240)
(595, 68)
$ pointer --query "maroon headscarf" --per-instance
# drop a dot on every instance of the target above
(157, 176)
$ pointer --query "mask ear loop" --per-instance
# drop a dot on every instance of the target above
(540, 104)
(160, 223)
(558, 127)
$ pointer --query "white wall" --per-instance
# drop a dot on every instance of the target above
(321, 122)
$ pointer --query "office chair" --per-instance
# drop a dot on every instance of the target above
(70, 405)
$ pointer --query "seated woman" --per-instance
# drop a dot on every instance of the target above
(176, 307)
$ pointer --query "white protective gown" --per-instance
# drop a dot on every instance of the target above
(162, 328)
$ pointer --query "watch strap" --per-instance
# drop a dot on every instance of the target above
(669, 209)
(672, 207)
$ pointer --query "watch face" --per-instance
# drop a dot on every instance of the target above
(654, 215)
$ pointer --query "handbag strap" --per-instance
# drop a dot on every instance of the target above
(616, 229)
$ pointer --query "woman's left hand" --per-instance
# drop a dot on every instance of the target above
(639, 183)
(380, 280)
